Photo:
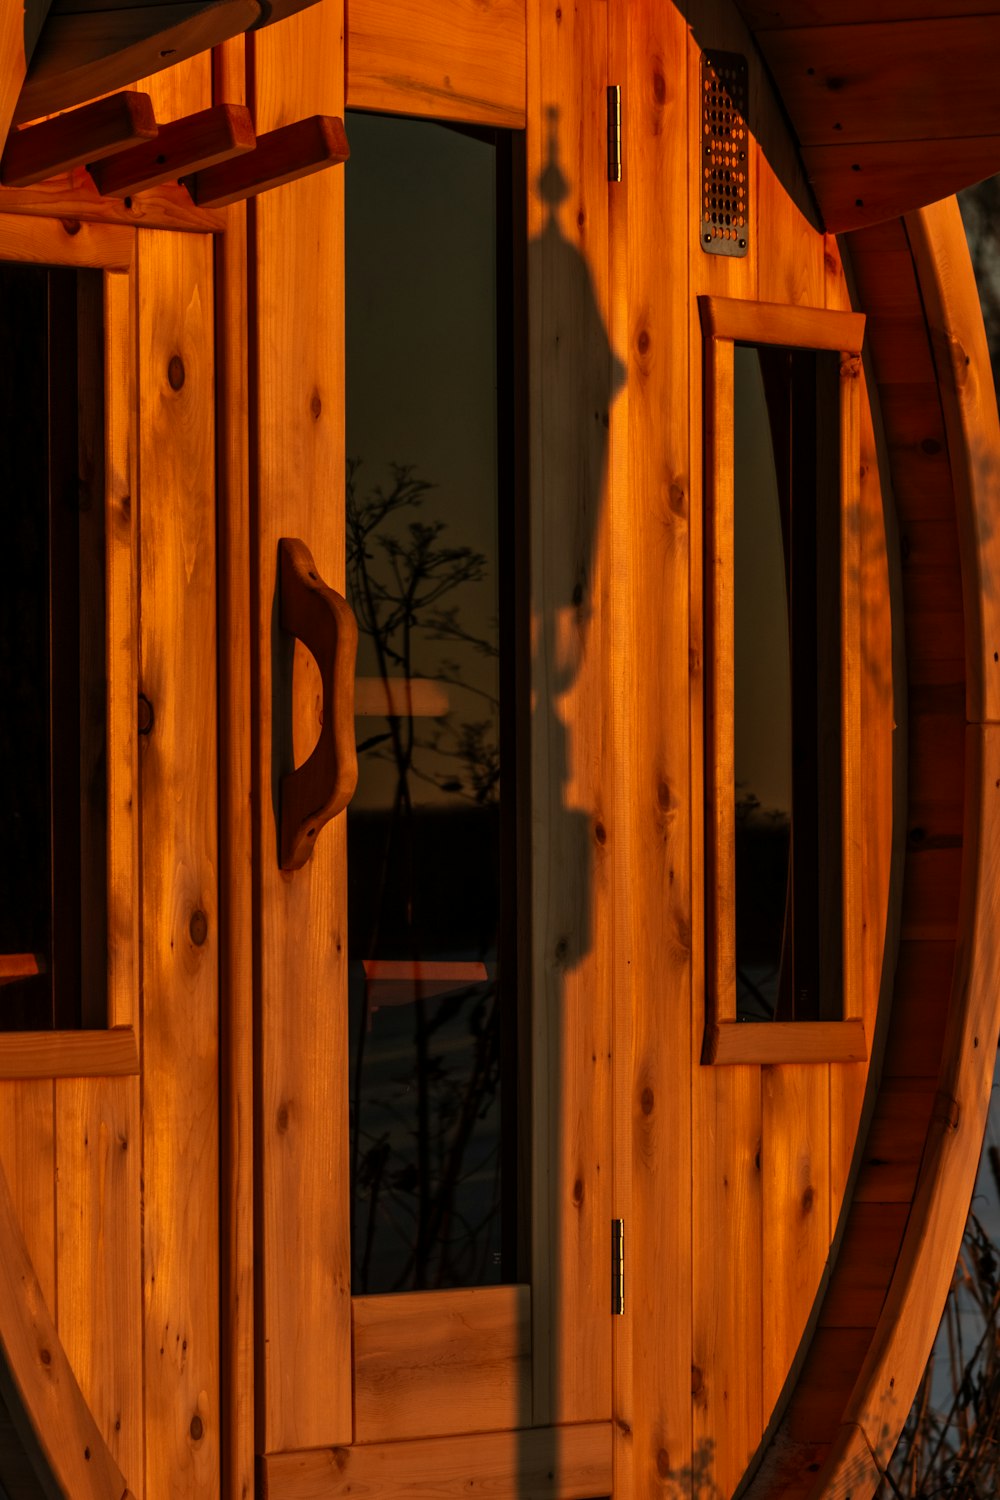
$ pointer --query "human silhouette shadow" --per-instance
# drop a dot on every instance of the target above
(576, 376)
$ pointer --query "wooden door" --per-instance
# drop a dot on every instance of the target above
(508, 1374)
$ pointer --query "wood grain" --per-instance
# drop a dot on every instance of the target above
(573, 376)
(817, 1446)
(749, 321)
(27, 1154)
(428, 1364)
(888, 81)
(178, 776)
(972, 426)
(719, 632)
(279, 156)
(79, 56)
(787, 1042)
(795, 1189)
(322, 786)
(852, 671)
(56, 243)
(121, 648)
(726, 1117)
(447, 59)
(235, 821)
(73, 197)
(304, 1333)
(563, 1463)
(87, 134)
(12, 64)
(796, 1121)
(190, 145)
(99, 1257)
(867, 182)
(69, 1054)
(906, 1328)
(51, 1417)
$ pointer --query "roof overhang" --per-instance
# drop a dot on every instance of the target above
(894, 102)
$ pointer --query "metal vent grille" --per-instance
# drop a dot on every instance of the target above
(725, 199)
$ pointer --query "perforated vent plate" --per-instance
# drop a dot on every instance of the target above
(725, 200)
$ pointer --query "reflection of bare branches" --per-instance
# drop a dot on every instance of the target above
(401, 572)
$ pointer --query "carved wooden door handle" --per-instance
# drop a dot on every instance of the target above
(323, 785)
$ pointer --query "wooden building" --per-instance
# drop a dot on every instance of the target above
(734, 794)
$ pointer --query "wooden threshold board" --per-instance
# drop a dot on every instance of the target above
(546, 1463)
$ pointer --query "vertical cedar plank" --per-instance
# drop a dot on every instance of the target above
(27, 1153)
(795, 1172)
(236, 821)
(624, 1386)
(178, 787)
(655, 869)
(99, 1264)
(305, 1340)
(795, 1101)
(571, 382)
(726, 1108)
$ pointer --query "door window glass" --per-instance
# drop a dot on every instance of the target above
(430, 830)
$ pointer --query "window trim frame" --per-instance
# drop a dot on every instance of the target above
(111, 1050)
(726, 321)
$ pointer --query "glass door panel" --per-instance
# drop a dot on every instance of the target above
(431, 828)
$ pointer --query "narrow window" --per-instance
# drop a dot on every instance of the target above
(781, 724)
(53, 812)
(431, 830)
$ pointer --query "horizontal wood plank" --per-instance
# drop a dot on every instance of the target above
(80, 56)
(541, 1463)
(72, 198)
(869, 181)
(448, 59)
(69, 1054)
(774, 323)
(787, 1042)
(434, 1363)
(904, 80)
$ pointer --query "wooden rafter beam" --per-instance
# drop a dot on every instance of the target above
(894, 102)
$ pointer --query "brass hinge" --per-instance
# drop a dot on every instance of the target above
(617, 1266)
(614, 132)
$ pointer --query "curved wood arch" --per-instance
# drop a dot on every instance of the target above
(844, 1416)
(50, 1421)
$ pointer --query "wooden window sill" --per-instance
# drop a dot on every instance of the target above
(764, 1042)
